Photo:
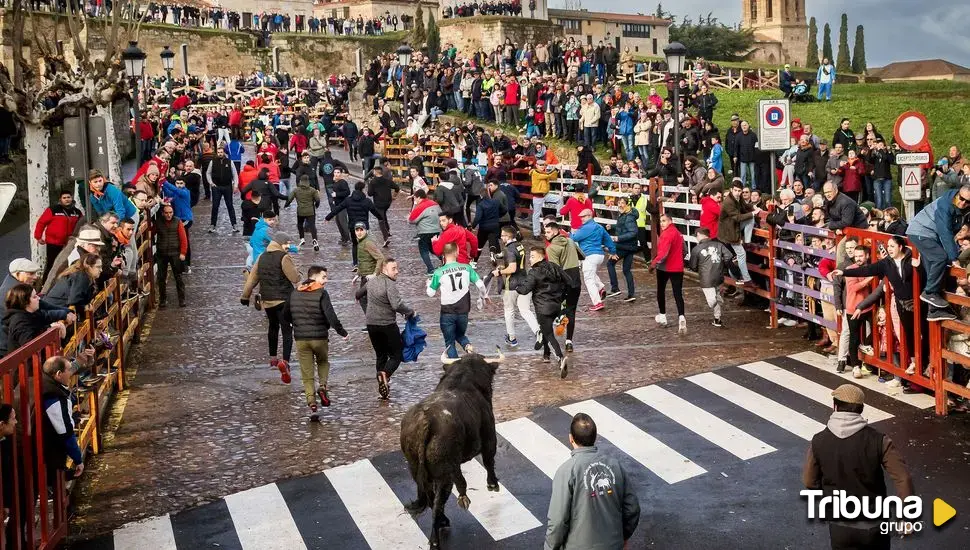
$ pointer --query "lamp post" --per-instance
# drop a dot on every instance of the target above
(168, 63)
(676, 53)
(404, 60)
(134, 59)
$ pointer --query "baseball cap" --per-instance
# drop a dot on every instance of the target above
(849, 393)
(90, 236)
(23, 265)
(360, 225)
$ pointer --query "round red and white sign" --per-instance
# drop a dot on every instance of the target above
(912, 130)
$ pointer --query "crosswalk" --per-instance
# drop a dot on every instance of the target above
(707, 434)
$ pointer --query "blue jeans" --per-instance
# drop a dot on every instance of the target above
(453, 327)
(627, 146)
(747, 169)
(537, 203)
(935, 262)
(459, 102)
(644, 154)
(424, 248)
(627, 273)
(742, 255)
(882, 190)
(589, 136)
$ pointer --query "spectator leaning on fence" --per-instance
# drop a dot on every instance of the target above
(24, 271)
(934, 231)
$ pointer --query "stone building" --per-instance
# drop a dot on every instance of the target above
(369, 9)
(285, 7)
(780, 30)
(643, 34)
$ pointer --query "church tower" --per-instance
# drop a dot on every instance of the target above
(780, 30)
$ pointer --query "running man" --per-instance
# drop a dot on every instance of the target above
(562, 251)
(454, 280)
(709, 259)
(547, 283)
(313, 317)
(383, 304)
(513, 274)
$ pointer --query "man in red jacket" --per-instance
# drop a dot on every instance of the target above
(451, 232)
(56, 225)
(180, 103)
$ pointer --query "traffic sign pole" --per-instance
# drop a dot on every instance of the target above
(773, 131)
(912, 133)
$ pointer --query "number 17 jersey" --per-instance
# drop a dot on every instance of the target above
(454, 280)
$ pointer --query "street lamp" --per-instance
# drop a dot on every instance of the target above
(404, 60)
(676, 53)
(134, 59)
(168, 63)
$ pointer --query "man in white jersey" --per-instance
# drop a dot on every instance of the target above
(513, 273)
(454, 280)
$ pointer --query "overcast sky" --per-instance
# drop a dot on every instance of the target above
(896, 30)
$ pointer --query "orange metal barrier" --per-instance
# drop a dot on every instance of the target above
(942, 337)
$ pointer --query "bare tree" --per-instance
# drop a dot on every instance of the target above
(572, 4)
(40, 97)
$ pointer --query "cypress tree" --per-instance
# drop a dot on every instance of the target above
(812, 59)
(843, 64)
(827, 43)
(859, 52)
(420, 35)
(434, 38)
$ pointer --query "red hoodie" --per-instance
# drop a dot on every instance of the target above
(454, 234)
(235, 118)
(670, 251)
(272, 168)
(710, 212)
(573, 208)
(247, 175)
(181, 102)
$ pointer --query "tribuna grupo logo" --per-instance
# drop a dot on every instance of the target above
(893, 513)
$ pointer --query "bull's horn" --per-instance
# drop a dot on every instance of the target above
(445, 360)
(497, 360)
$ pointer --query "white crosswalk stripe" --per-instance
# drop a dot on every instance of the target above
(376, 510)
(500, 513)
(536, 444)
(774, 412)
(261, 518)
(701, 422)
(154, 533)
(819, 361)
(660, 459)
(803, 386)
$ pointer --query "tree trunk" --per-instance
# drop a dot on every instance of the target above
(114, 175)
(38, 182)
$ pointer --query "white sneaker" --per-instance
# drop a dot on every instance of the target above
(787, 322)
(911, 369)
(856, 372)
(894, 383)
(302, 242)
(866, 350)
(682, 325)
(661, 319)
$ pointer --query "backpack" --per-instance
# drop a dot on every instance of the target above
(472, 181)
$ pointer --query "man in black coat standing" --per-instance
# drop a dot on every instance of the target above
(382, 190)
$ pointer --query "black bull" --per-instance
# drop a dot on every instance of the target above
(446, 429)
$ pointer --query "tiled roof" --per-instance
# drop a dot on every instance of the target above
(609, 17)
(918, 69)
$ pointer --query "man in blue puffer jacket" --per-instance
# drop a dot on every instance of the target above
(106, 197)
(262, 235)
(592, 239)
(625, 130)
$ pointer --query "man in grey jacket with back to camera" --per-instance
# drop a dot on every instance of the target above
(592, 506)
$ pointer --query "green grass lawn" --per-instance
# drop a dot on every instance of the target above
(945, 104)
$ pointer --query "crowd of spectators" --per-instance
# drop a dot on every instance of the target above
(486, 7)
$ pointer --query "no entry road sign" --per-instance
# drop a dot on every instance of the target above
(912, 130)
(775, 115)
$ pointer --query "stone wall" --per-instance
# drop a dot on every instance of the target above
(490, 31)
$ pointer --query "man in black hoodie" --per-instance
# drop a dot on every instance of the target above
(547, 282)
(337, 192)
(327, 168)
(449, 194)
(383, 190)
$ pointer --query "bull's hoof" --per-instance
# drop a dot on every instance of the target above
(464, 502)
(416, 507)
(493, 487)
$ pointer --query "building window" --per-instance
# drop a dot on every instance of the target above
(654, 46)
(770, 11)
(636, 31)
(754, 10)
(636, 49)
(571, 26)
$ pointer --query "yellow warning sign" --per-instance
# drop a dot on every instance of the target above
(942, 512)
